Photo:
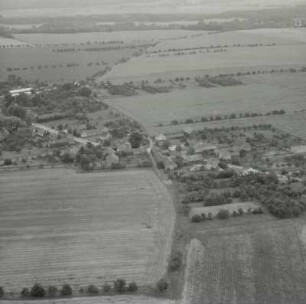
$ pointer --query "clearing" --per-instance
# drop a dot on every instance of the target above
(57, 226)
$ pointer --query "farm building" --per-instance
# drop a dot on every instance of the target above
(42, 130)
(224, 154)
(27, 91)
(202, 147)
(298, 149)
(59, 143)
(188, 130)
(90, 133)
(192, 158)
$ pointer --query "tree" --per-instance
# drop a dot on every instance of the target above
(132, 287)
(66, 290)
(196, 219)
(223, 214)
(106, 288)
(1, 292)
(162, 285)
(135, 140)
(119, 285)
(52, 290)
(25, 292)
(92, 289)
(38, 291)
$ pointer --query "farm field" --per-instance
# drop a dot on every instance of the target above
(45, 65)
(261, 94)
(257, 36)
(235, 58)
(57, 226)
(293, 123)
(258, 264)
(127, 299)
(126, 36)
(6, 42)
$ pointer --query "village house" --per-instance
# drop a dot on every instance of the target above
(190, 159)
(42, 130)
(17, 92)
(90, 133)
(187, 131)
(60, 143)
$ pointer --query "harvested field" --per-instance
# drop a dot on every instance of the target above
(127, 299)
(57, 226)
(126, 36)
(262, 264)
(244, 37)
(282, 92)
(43, 64)
(215, 209)
(231, 60)
(7, 42)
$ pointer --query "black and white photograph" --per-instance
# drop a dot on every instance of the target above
(152, 151)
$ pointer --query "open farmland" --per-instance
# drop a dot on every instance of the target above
(233, 51)
(47, 65)
(57, 226)
(260, 264)
(261, 94)
(126, 36)
(127, 299)
(243, 37)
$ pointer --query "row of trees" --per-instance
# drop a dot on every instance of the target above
(223, 214)
(118, 286)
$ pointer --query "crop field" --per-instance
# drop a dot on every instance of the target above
(57, 226)
(7, 42)
(262, 94)
(45, 65)
(260, 264)
(126, 36)
(244, 37)
(126, 299)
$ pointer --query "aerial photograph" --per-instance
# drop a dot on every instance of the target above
(152, 152)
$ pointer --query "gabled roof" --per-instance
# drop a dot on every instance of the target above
(160, 137)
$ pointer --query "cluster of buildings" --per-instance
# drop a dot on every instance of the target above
(195, 154)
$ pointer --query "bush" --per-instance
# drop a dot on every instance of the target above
(38, 291)
(223, 214)
(162, 285)
(132, 287)
(119, 285)
(25, 292)
(106, 288)
(176, 262)
(196, 218)
(92, 289)
(52, 291)
(8, 162)
(66, 290)
(1, 292)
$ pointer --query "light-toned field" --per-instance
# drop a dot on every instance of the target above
(262, 94)
(234, 58)
(126, 36)
(126, 299)
(243, 37)
(7, 42)
(260, 264)
(57, 226)
(54, 65)
(215, 209)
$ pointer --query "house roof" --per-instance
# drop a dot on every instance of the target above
(161, 137)
(192, 158)
(188, 130)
